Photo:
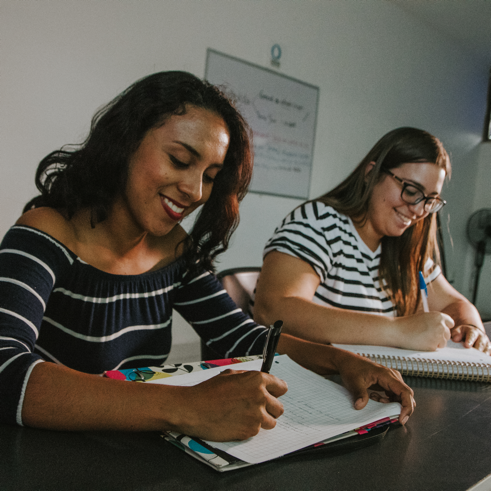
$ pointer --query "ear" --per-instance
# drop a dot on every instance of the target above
(369, 168)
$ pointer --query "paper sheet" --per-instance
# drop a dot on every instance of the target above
(315, 409)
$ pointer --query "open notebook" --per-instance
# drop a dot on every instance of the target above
(316, 411)
(454, 362)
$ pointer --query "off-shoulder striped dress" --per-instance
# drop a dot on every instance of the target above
(55, 307)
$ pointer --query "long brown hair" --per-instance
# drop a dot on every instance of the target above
(402, 257)
(92, 174)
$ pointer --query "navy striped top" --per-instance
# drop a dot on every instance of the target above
(57, 308)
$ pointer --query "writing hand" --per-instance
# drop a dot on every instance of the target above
(472, 337)
(424, 331)
(234, 405)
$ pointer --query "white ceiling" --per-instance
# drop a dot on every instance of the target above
(467, 21)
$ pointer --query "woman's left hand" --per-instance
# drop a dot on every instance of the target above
(472, 337)
(359, 375)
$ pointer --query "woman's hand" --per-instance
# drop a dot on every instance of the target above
(359, 375)
(472, 337)
(424, 331)
(234, 405)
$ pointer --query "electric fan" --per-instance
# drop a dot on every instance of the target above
(479, 235)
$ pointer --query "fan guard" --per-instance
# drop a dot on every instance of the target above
(479, 235)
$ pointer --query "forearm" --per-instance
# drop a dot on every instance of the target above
(464, 313)
(59, 398)
(229, 406)
(320, 324)
(320, 358)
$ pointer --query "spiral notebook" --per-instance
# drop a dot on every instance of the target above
(454, 362)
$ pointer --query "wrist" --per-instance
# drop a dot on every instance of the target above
(314, 356)
(480, 328)
(397, 331)
(163, 407)
(340, 357)
(173, 409)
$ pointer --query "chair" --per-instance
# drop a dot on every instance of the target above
(239, 284)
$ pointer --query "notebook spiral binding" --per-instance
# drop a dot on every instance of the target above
(420, 367)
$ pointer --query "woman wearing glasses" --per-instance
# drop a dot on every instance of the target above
(358, 250)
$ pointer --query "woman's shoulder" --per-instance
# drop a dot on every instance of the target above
(317, 212)
(49, 221)
(312, 220)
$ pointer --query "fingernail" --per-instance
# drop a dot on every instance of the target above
(404, 421)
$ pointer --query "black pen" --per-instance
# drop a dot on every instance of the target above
(270, 346)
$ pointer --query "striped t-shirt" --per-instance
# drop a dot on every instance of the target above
(55, 307)
(347, 268)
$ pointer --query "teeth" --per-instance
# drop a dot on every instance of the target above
(173, 207)
(405, 219)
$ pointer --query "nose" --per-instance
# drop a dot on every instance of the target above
(419, 209)
(191, 185)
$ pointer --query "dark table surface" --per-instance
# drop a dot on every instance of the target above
(446, 445)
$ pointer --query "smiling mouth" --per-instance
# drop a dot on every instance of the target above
(174, 211)
(407, 221)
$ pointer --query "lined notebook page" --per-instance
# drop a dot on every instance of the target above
(315, 409)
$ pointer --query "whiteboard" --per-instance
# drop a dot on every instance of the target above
(282, 113)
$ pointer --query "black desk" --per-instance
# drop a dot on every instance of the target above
(446, 445)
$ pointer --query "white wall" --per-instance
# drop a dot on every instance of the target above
(377, 68)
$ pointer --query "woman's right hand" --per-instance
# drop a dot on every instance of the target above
(234, 405)
(424, 331)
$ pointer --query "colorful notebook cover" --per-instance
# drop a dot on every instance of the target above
(145, 374)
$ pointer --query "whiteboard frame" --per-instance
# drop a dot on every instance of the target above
(299, 176)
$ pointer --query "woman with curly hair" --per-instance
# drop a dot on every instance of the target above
(92, 270)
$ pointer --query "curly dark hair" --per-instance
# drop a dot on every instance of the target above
(91, 175)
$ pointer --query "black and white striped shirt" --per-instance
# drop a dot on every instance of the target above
(56, 307)
(348, 270)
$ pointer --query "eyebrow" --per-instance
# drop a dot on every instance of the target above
(419, 186)
(189, 148)
(195, 152)
(414, 183)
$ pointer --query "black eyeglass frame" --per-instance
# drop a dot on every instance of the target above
(440, 203)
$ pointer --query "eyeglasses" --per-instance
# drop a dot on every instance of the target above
(412, 195)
